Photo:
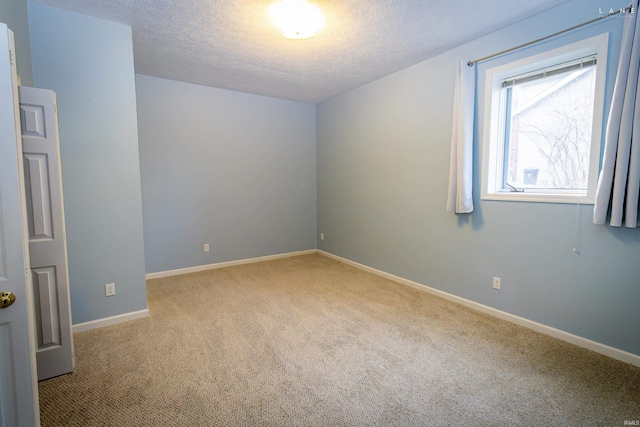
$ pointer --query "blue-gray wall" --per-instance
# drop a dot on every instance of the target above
(230, 169)
(88, 62)
(383, 163)
(14, 14)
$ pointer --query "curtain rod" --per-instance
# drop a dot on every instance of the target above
(624, 9)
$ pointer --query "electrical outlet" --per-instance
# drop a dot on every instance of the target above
(206, 247)
(110, 289)
(496, 283)
(321, 236)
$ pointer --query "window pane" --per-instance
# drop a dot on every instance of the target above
(548, 132)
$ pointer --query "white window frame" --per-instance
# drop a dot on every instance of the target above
(494, 118)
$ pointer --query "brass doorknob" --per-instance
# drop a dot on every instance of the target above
(6, 299)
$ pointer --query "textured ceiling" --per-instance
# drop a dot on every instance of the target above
(232, 44)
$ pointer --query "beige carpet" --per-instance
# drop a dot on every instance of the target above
(308, 341)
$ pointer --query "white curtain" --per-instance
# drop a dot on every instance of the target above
(619, 181)
(460, 198)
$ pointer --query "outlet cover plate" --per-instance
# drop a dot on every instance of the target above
(110, 289)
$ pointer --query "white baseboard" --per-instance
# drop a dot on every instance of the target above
(108, 321)
(198, 268)
(606, 350)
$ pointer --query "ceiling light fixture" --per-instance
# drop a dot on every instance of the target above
(298, 19)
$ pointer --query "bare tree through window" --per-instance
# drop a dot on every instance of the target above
(550, 131)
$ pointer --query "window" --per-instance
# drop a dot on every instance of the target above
(543, 125)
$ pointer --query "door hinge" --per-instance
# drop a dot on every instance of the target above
(55, 108)
(12, 57)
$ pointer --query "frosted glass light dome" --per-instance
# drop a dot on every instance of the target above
(298, 19)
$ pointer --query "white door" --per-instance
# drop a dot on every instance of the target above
(18, 387)
(47, 241)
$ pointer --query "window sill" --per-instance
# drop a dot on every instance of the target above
(539, 198)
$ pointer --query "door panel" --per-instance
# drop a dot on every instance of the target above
(7, 397)
(46, 296)
(36, 171)
(18, 388)
(47, 243)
